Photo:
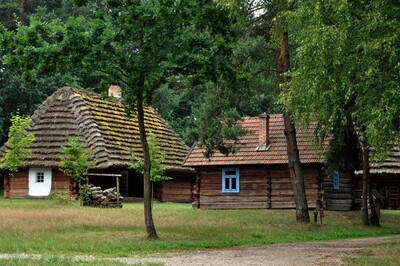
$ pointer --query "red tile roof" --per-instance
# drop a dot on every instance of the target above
(245, 149)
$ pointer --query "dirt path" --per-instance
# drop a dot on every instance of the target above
(312, 253)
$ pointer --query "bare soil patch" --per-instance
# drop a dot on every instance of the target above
(311, 253)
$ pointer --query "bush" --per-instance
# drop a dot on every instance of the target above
(84, 194)
(62, 198)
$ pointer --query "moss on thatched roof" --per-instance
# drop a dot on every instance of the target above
(102, 125)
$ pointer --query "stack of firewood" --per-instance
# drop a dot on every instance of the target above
(104, 198)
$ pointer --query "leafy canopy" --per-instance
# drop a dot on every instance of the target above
(75, 159)
(18, 143)
(346, 70)
(157, 170)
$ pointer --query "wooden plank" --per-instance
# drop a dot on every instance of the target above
(179, 185)
(330, 186)
(253, 205)
(337, 207)
(278, 193)
(289, 205)
(340, 190)
(339, 201)
(247, 193)
(233, 199)
(283, 205)
(177, 199)
(336, 196)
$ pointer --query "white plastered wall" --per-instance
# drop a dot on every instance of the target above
(42, 188)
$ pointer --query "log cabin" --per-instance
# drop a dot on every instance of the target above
(385, 179)
(256, 175)
(103, 126)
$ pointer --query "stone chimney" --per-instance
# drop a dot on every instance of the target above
(115, 91)
(263, 132)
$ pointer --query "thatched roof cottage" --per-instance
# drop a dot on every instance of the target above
(102, 124)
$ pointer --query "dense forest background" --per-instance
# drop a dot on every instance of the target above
(249, 85)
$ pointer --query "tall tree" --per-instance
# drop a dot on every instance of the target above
(139, 44)
(215, 131)
(281, 36)
(346, 76)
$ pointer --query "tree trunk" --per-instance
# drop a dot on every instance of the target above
(369, 215)
(296, 174)
(364, 207)
(148, 215)
(22, 6)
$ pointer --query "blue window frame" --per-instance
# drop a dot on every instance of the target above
(230, 180)
(336, 179)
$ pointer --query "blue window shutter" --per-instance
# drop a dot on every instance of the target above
(336, 179)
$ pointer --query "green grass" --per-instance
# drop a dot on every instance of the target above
(383, 255)
(43, 227)
(54, 260)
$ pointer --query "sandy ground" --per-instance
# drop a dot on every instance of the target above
(311, 253)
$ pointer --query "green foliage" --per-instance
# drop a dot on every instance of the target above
(25, 90)
(61, 198)
(84, 193)
(217, 121)
(75, 159)
(346, 71)
(156, 160)
(18, 143)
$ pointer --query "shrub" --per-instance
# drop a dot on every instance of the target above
(62, 198)
(85, 195)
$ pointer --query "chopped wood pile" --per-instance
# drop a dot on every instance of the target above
(108, 198)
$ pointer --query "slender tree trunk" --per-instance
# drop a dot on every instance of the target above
(22, 6)
(148, 215)
(296, 173)
(369, 215)
(364, 207)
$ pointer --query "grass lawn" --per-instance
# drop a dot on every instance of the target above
(44, 227)
(383, 255)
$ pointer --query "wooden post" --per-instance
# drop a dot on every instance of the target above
(117, 177)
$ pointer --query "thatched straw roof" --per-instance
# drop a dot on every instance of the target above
(390, 166)
(102, 125)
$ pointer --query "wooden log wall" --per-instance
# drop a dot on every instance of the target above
(339, 199)
(17, 186)
(60, 182)
(261, 187)
(388, 185)
(178, 189)
(253, 189)
(281, 187)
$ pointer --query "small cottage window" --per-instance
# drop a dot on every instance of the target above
(230, 180)
(336, 179)
(39, 177)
